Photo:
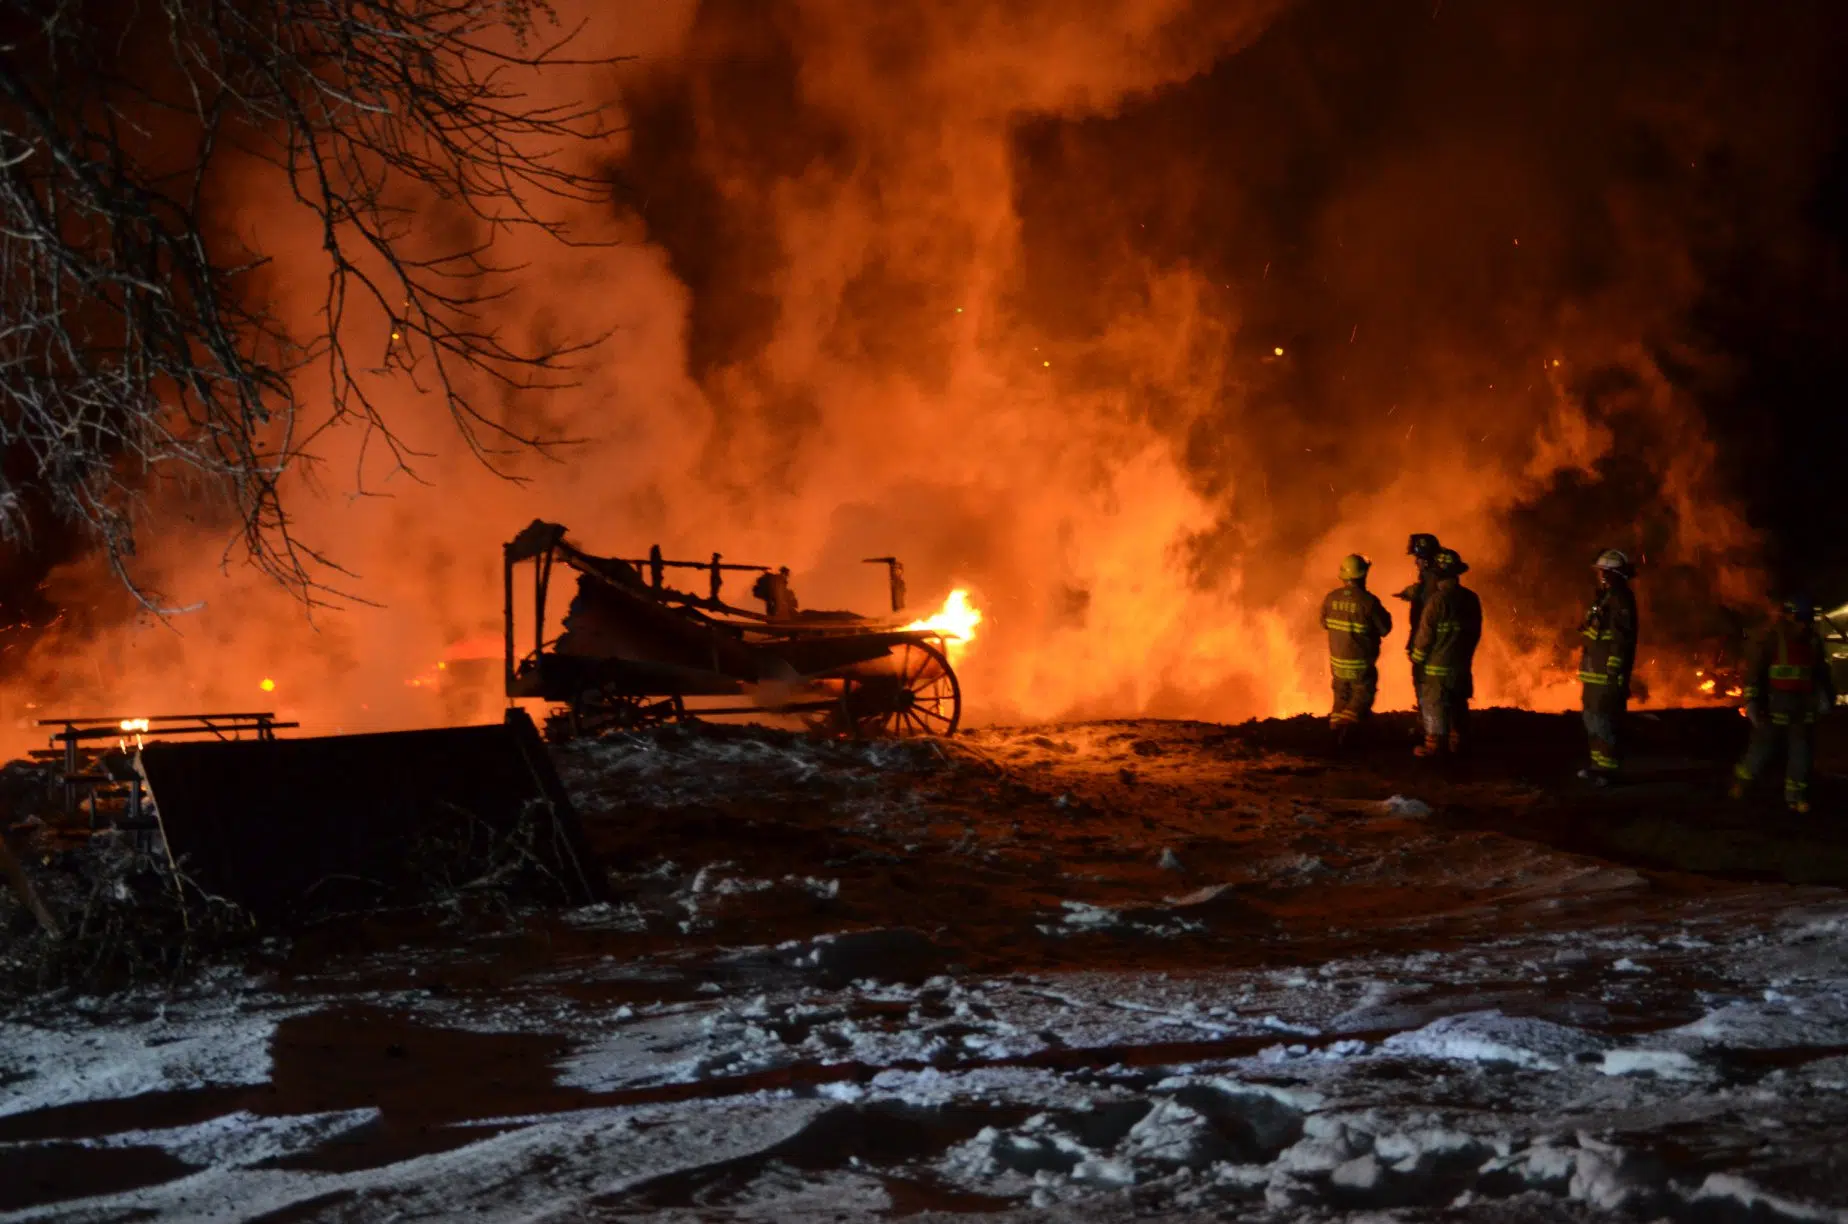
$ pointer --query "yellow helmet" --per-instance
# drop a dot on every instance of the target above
(1354, 566)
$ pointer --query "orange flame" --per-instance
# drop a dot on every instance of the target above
(131, 726)
(1162, 582)
(956, 620)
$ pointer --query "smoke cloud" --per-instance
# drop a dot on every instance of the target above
(1133, 317)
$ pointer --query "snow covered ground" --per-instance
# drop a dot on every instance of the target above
(773, 1032)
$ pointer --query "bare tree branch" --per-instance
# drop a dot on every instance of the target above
(138, 341)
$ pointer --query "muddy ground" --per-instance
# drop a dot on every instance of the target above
(1062, 972)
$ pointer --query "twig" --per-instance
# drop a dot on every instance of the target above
(16, 876)
(139, 349)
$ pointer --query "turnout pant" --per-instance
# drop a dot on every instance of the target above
(1353, 698)
(1792, 732)
(1604, 706)
(1443, 706)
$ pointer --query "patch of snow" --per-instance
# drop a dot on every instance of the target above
(604, 916)
(1491, 1037)
(1668, 1064)
(1814, 1018)
(1081, 917)
(1090, 917)
(1739, 1193)
(826, 889)
(238, 1138)
(505, 1176)
(188, 1047)
(738, 885)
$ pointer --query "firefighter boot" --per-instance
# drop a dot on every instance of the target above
(1431, 747)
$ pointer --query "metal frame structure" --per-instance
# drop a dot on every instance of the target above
(80, 763)
(658, 646)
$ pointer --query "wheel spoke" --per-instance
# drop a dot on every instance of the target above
(923, 661)
(918, 696)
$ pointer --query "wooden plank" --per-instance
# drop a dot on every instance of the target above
(16, 876)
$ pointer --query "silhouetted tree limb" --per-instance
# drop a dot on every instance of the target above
(138, 340)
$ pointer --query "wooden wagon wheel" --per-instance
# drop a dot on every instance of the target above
(920, 697)
(598, 710)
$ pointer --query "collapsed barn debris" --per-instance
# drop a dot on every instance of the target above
(216, 811)
(183, 839)
(276, 825)
(93, 774)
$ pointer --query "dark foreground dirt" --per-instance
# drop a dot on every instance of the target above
(975, 840)
(1097, 907)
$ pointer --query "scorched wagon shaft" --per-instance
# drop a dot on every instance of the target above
(635, 649)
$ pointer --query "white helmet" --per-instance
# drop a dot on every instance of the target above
(1614, 561)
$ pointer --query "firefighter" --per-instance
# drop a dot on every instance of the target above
(1787, 688)
(1605, 660)
(1423, 549)
(1356, 621)
(1444, 648)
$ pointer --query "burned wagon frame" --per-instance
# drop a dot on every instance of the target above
(635, 649)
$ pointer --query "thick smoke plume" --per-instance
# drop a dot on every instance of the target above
(1131, 316)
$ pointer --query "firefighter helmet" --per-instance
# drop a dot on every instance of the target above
(1354, 566)
(1422, 545)
(1799, 608)
(1613, 560)
(1448, 564)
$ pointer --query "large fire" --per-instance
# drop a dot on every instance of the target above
(910, 342)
